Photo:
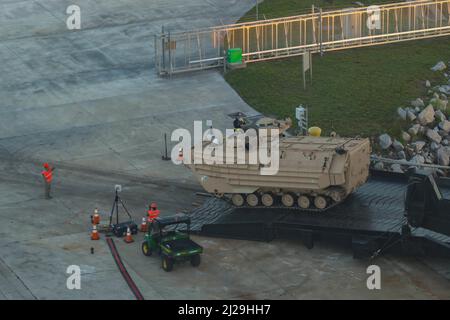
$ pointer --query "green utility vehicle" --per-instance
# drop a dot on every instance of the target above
(170, 243)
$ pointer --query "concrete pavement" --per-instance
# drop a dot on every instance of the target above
(39, 239)
(89, 102)
(82, 96)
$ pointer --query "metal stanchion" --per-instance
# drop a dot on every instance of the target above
(165, 156)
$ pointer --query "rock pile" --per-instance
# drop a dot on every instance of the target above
(426, 135)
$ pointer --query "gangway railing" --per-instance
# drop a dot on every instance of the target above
(295, 35)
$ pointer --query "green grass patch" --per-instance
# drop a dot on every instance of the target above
(355, 92)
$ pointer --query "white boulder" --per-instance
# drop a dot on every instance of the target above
(433, 136)
(402, 113)
(444, 89)
(414, 130)
(418, 159)
(378, 166)
(427, 115)
(410, 115)
(398, 146)
(445, 125)
(406, 136)
(440, 66)
(418, 145)
(385, 141)
(418, 103)
(443, 156)
(440, 116)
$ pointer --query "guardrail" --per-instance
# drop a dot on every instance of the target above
(319, 31)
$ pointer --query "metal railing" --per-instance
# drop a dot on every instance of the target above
(318, 31)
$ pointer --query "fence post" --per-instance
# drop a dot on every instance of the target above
(170, 56)
(224, 63)
(257, 9)
(156, 62)
(165, 155)
(163, 48)
(320, 32)
(340, 29)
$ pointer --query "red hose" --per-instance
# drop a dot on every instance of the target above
(123, 270)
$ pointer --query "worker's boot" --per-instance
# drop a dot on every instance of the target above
(47, 192)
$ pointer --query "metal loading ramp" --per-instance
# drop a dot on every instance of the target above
(369, 220)
(318, 31)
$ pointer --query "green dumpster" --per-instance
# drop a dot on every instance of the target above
(234, 55)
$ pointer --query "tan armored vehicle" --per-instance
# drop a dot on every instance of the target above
(315, 173)
(261, 122)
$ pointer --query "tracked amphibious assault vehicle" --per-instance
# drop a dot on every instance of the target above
(315, 173)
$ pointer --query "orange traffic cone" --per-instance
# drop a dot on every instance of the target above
(96, 217)
(144, 225)
(94, 233)
(128, 237)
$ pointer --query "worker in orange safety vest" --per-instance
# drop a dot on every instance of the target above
(47, 174)
(153, 212)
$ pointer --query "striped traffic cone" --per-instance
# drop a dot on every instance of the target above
(94, 233)
(96, 217)
(144, 225)
(180, 154)
(128, 237)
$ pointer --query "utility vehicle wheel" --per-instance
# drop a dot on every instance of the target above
(303, 202)
(146, 250)
(252, 200)
(267, 199)
(320, 202)
(195, 260)
(287, 200)
(167, 263)
(238, 200)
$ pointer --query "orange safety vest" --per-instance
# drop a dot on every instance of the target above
(152, 214)
(48, 175)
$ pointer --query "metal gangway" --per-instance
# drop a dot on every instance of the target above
(318, 31)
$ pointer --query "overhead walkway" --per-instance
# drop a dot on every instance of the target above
(319, 31)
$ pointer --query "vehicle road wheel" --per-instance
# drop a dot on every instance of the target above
(320, 202)
(304, 202)
(287, 200)
(267, 199)
(167, 263)
(252, 200)
(337, 195)
(195, 260)
(238, 200)
(146, 250)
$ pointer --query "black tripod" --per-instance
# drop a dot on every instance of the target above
(115, 208)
